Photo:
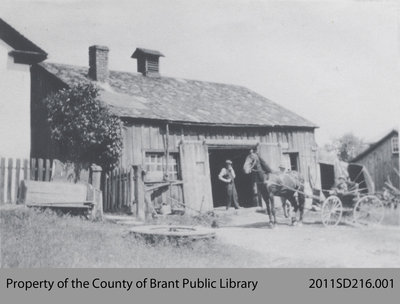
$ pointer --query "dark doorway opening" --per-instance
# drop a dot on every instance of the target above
(327, 177)
(293, 158)
(243, 182)
(294, 161)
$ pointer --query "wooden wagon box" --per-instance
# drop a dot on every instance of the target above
(68, 196)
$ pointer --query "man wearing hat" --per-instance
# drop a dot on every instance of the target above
(282, 168)
(227, 176)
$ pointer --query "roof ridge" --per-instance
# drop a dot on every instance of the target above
(374, 145)
(181, 99)
(161, 76)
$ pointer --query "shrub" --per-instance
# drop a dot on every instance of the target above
(85, 129)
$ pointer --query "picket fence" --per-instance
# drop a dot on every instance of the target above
(123, 188)
(14, 170)
(118, 190)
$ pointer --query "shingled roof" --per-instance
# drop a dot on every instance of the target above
(180, 100)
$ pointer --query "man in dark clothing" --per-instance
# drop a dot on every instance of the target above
(227, 176)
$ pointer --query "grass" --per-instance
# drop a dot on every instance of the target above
(31, 239)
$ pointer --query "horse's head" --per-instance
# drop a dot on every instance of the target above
(249, 163)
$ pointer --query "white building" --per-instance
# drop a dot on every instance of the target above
(17, 54)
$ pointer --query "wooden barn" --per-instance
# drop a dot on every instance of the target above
(180, 130)
(382, 159)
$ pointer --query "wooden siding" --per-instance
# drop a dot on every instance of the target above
(380, 163)
(140, 137)
(196, 176)
(15, 170)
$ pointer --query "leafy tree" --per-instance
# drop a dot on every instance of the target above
(348, 146)
(86, 131)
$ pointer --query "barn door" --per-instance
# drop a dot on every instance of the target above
(196, 176)
(271, 153)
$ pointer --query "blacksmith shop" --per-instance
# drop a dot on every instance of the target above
(182, 131)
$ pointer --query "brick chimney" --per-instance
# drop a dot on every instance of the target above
(98, 63)
(147, 61)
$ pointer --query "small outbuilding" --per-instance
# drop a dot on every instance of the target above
(382, 160)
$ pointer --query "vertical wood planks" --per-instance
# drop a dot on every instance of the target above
(26, 169)
(17, 178)
(124, 191)
(2, 179)
(140, 137)
(14, 170)
(40, 169)
(9, 179)
(196, 176)
(33, 169)
(118, 190)
(47, 173)
(132, 191)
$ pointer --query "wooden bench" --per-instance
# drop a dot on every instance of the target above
(67, 196)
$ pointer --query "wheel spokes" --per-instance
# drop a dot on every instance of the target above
(331, 211)
(369, 210)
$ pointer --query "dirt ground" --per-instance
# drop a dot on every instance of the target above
(311, 245)
(246, 230)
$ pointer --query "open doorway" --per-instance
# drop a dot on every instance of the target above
(291, 160)
(327, 172)
(243, 182)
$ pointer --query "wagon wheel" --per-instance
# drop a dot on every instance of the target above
(369, 210)
(331, 211)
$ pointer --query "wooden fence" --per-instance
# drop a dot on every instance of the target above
(125, 190)
(118, 190)
(14, 170)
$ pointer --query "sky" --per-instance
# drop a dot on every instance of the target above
(335, 63)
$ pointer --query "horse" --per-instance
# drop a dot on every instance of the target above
(270, 184)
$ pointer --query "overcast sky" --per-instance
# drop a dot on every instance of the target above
(335, 63)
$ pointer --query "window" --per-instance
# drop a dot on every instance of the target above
(395, 145)
(155, 164)
(291, 161)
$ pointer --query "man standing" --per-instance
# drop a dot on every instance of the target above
(227, 176)
(282, 168)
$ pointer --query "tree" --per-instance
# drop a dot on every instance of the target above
(348, 146)
(85, 130)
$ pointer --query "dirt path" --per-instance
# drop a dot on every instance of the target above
(312, 245)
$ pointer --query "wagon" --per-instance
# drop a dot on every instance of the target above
(359, 205)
